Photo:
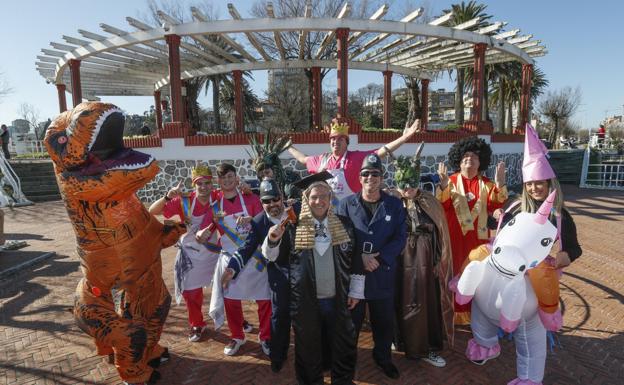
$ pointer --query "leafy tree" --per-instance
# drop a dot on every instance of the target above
(558, 107)
(290, 40)
(30, 113)
(288, 102)
(133, 125)
(400, 111)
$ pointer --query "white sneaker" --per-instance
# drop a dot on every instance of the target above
(247, 327)
(233, 347)
(196, 333)
(266, 347)
(435, 360)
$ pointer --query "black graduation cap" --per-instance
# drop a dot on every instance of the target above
(304, 183)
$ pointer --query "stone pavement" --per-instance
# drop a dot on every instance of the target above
(40, 344)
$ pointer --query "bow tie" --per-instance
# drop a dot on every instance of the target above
(320, 230)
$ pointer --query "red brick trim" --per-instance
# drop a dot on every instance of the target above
(427, 137)
(507, 138)
(148, 141)
(481, 128)
(175, 130)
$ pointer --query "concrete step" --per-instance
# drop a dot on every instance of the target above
(29, 183)
(45, 198)
(41, 191)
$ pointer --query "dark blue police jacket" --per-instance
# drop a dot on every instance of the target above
(386, 232)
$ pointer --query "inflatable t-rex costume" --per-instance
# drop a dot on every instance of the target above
(122, 301)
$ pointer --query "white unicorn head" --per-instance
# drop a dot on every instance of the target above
(525, 241)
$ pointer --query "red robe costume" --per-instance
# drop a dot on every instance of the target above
(467, 204)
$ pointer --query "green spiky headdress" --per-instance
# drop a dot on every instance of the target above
(266, 155)
(407, 172)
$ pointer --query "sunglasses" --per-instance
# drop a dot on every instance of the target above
(365, 174)
(272, 200)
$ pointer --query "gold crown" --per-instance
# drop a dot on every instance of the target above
(201, 170)
(337, 128)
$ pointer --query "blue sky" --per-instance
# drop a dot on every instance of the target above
(584, 40)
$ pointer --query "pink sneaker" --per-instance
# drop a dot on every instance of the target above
(479, 354)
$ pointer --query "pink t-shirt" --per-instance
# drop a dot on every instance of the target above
(174, 207)
(352, 165)
(252, 203)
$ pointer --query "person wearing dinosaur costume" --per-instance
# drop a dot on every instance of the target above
(122, 301)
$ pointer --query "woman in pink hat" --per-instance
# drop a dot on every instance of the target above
(539, 181)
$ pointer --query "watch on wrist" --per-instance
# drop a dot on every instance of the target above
(167, 199)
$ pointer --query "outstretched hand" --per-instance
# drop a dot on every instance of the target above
(443, 174)
(176, 191)
(500, 178)
(411, 130)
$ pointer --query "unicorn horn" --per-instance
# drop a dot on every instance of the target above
(541, 216)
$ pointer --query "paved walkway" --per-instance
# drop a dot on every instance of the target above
(40, 344)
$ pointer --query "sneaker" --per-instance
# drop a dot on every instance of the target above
(435, 360)
(233, 347)
(266, 347)
(247, 327)
(196, 333)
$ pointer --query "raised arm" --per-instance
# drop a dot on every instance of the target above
(300, 156)
(158, 206)
(395, 144)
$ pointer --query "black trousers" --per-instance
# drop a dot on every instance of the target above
(382, 323)
(5, 149)
(280, 316)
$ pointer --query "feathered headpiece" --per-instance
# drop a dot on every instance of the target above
(407, 172)
(266, 155)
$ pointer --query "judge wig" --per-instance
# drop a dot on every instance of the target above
(470, 144)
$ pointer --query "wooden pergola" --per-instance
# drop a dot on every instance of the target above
(148, 60)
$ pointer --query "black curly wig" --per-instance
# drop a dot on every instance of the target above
(472, 144)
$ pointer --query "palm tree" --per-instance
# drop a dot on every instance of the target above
(414, 111)
(250, 100)
(462, 13)
(506, 89)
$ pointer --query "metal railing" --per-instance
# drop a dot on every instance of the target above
(10, 186)
(27, 147)
(608, 174)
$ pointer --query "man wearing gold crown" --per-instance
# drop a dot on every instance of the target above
(345, 165)
(195, 262)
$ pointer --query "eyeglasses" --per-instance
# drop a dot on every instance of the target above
(365, 174)
(272, 200)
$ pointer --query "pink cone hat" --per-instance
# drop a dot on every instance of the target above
(541, 216)
(535, 165)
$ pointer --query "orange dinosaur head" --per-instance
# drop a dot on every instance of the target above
(90, 160)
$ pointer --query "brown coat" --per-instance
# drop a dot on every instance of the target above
(410, 304)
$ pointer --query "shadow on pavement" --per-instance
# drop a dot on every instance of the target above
(19, 292)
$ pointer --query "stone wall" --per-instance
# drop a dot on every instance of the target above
(171, 171)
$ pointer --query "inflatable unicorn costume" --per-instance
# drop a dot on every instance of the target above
(502, 295)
